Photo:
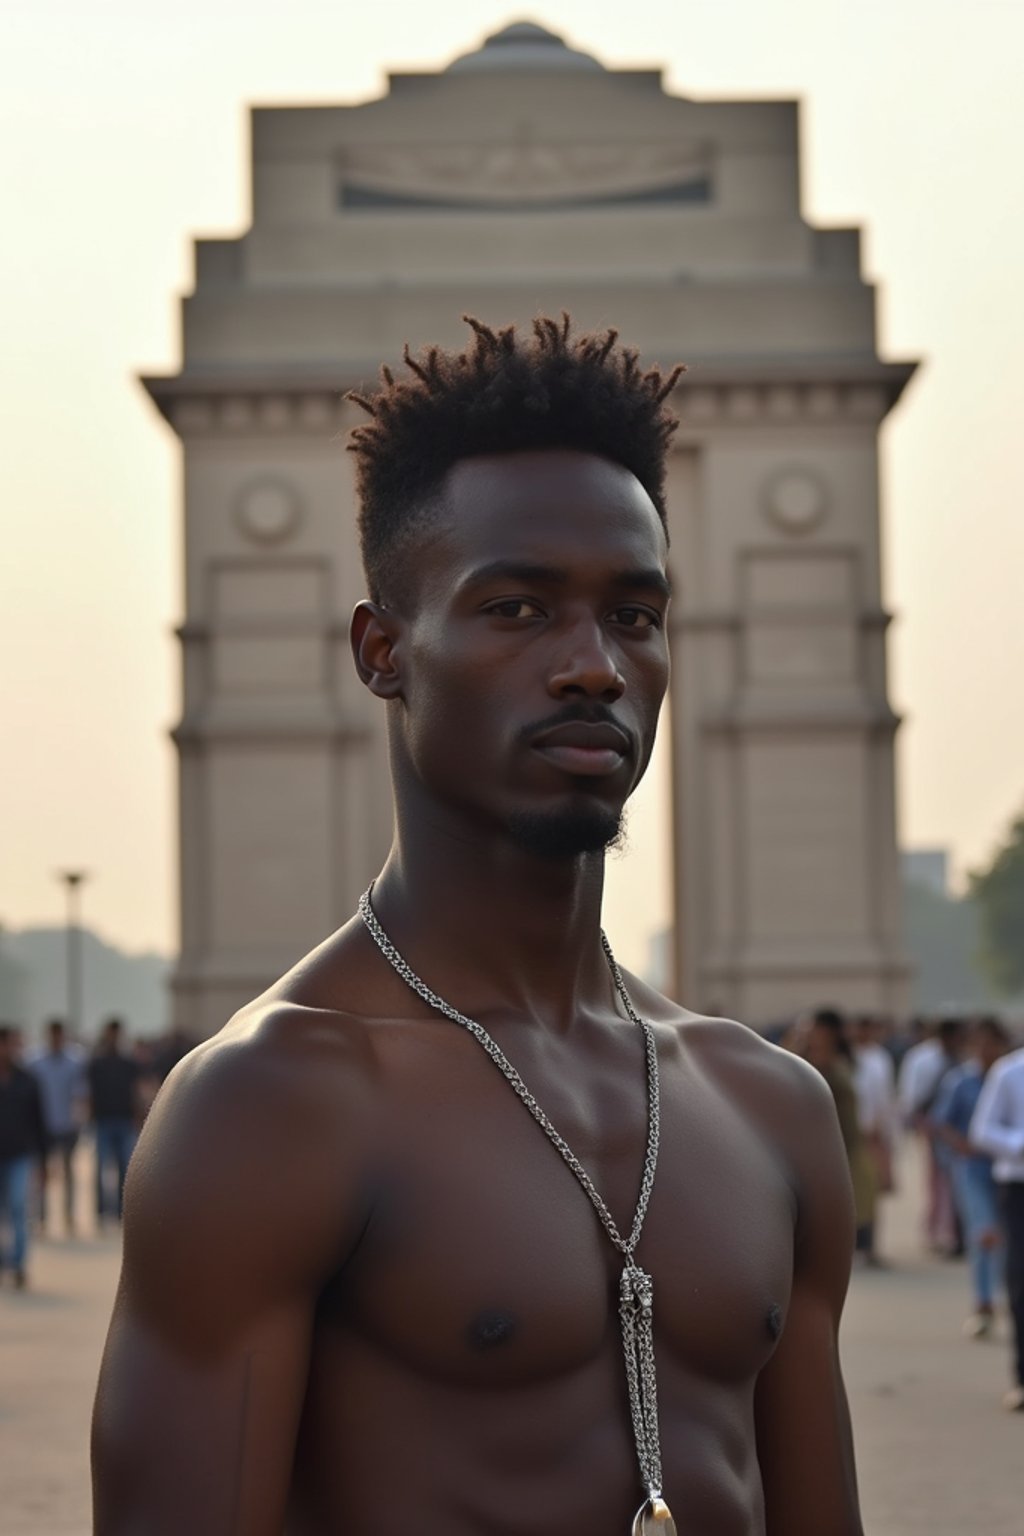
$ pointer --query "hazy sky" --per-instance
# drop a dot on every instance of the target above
(123, 134)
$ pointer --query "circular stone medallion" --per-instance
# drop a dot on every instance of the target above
(795, 500)
(268, 511)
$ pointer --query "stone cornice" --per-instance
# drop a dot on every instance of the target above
(816, 959)
(200, 632)
(809, 392)
(204, 726)
(748, 717)
(714, 620)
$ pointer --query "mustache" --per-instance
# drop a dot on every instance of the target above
(577, 714)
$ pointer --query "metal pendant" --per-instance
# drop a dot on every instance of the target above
(654, 1518)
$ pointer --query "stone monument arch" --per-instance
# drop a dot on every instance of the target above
(524, 177)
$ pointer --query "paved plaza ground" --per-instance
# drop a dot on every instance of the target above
(936, 1454)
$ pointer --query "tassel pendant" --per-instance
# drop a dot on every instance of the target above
(636, 1315)
(654, 1518)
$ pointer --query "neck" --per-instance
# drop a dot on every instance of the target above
(503, 929)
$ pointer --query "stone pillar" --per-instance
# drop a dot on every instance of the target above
(786, 876)
(281, 760)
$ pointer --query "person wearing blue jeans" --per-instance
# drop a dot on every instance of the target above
(115, 1141)
(974, 1188)
(113, 1095)
(15, 1177)
(976, 1198)
(21, 1142)
(59, 1069)
(998, 1129)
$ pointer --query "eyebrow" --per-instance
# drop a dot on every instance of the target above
(650, 578)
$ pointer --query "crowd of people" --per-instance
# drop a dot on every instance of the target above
(957, 1085)
(48, 1098)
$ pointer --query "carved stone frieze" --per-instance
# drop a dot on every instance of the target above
(316, 413)
(523, 167)
(701, 406)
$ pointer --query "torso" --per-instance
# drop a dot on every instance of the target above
(466, 1371)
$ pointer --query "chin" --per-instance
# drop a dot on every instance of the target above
(567, 833)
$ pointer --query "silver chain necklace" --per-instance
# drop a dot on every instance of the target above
(636, 1288)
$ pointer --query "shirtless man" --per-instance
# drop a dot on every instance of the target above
(362, 1290)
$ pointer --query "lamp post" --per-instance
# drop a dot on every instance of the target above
(73, 880)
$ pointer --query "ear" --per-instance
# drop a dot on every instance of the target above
(374, 634)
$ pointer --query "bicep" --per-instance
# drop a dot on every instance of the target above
(199, 1442)
(804, 1441)
(991, 1126)
(238, 1207)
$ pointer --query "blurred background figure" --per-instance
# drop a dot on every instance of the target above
(974, 1188)
(823, 1042)
(170, 1050)
(902, 1039)
(148, 1079)
(21, 1144)
(113, 1083)
(59, 1070)
(922, 1071)
(874, 1080)
(997, 1128)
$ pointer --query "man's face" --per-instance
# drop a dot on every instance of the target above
(953, 1040)
(535, 660)
(56, 1034)
(988, 1048)
(821, 1045)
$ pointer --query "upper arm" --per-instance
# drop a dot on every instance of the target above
(944, 1112)
(804, 1443)
(991, 1126)
(242, 1199)
(945, 1105)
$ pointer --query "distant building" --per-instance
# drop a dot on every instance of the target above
(14, 985)
(928, 867)
(527, 176)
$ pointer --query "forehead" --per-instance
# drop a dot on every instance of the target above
(549, 503)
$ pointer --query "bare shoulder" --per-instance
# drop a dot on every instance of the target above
(251, 1174)
(776, 1090)
(735, 1050)
(276, 1065)
(295, 1065)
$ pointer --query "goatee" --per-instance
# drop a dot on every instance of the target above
(568, 833)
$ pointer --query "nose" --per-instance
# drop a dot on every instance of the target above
(586, 666)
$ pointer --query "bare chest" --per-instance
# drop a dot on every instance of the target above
(484, 1261)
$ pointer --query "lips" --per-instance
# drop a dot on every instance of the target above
(591, 750)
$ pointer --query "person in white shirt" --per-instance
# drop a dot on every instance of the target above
(921, 1073)
(59, 1070)
(874, 1079)
(997, 1127)
(920, 1070)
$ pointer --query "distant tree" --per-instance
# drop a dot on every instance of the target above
(999, 894)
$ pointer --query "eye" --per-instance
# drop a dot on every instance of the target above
(637, 618)
(516, 608)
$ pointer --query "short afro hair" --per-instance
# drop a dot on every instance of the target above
(506, 393)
